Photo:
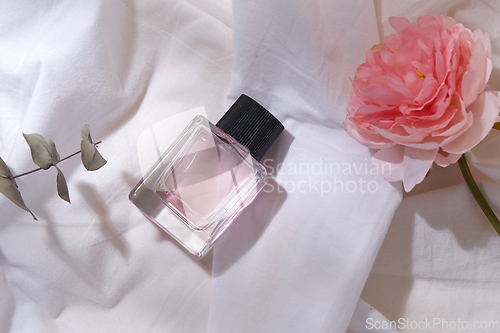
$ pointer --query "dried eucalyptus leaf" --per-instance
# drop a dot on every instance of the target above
(91, 158)
(43, 151)
(8, 187)
(62, 186)
(51, 146)
(86, 133)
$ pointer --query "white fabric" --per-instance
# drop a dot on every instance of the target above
(297, 259)
(294, 260)
(367, 319)
(98, 265)
(439, 261)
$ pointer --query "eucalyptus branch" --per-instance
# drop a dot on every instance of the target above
(45, 156)
(38, 169)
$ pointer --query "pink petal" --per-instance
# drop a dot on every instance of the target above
(389, 163)
(459, 122)
(489, 69)
(485, 111)
(429, 90)
(431, 26)
(485, 38)
(450, 22)
(439, 105)
(378, 94)
(416, 164)
(444, 161)
(475, 77)
(440, 66)
(393, 84)
(367, 109)
(401, 25)
(399, 135)
(366, 139)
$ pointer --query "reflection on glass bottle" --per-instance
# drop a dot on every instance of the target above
(207, 177)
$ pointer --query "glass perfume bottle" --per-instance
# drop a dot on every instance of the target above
(208, 175)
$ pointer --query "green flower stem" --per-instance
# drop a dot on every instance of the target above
(485, 207)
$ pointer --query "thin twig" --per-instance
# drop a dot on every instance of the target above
(25, 173)
(62, 159)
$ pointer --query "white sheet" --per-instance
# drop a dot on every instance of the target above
(439, 260)
(297, 259)
(315, 249)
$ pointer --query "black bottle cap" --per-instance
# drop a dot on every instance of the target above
(251, 125)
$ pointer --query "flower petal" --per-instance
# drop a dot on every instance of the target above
(485, 111)
(402, 25)
(416, 164)
(444, 159)
(389, 163)
(399, 135)
(366, 139)
(477, 75)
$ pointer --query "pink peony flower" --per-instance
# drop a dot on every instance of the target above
(419, 97)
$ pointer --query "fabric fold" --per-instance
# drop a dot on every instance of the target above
(297, 259)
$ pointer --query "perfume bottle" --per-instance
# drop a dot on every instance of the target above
(208, 175)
